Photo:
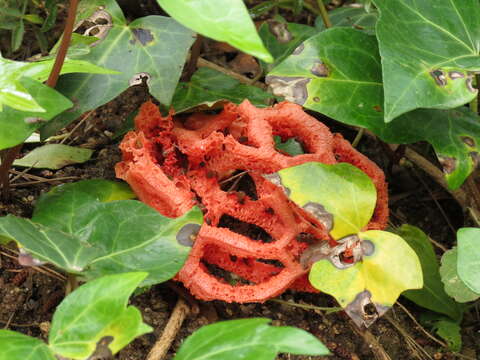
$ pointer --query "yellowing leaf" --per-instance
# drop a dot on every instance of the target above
(341, 189)
(389, 267)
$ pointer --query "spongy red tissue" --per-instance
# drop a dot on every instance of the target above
(175, 162)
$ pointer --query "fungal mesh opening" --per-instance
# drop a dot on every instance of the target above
(237, 270)
(274, 262)
(158, 153)
(227, 276)
(240, 181)
(290, 145)
(251, 231)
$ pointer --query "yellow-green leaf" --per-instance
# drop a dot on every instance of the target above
(389, 266)
(341, 190)
(95, 312)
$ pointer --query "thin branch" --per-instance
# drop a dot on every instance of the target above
(328, 310)
(420, 327)
(436, 174)
(358, 137)
(27, 183)
(41, 269)
(191, 65)
(8, 157)
(65, 43)
(85, 118)
(243, 79)
(474, 103)
(324, 14)
(440, 208)
(417, 350)
(377, 349)
(170, 331)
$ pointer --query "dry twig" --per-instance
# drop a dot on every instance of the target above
(243, 79)
(377, 349)
(416, 349)
(41, 269)
(420, 327)
(174, 324)
(27, 183)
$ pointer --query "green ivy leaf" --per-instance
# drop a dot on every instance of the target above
(94, 312)
(48, 244)
(341, 189)
(16, 346)
(16, 125)
(262, 8)
(428, 49)
(432, 296)
(83, 231)
(454, 134)
(52, 10)
(281, 39)
(450, 331)
(152, 47)
(454, 286)
(291, 146)
(79, 45)
(14, 94)
(143, 239)
(248, 339)
(54, 156)
(59, 206)
(17, 35)
(208, 86)
(33, 18)
(320, 76)
(386, 270)
(469, 257)
(347, 16)
(222, 20)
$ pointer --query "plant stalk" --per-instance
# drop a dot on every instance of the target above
(62, 51)
(191, 65)
(324, 14)
(328, 310)
(161, 346)
(9, 155)
(72, 284)
(474, 103)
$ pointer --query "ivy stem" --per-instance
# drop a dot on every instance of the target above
(328, 310)
(62, 51)
(72, 284)
(309, 7)
(474, 102)
(195, 52)
(358, 137)
(324, 14)
(8, 156)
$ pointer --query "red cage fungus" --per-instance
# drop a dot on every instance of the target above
(249, 247)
